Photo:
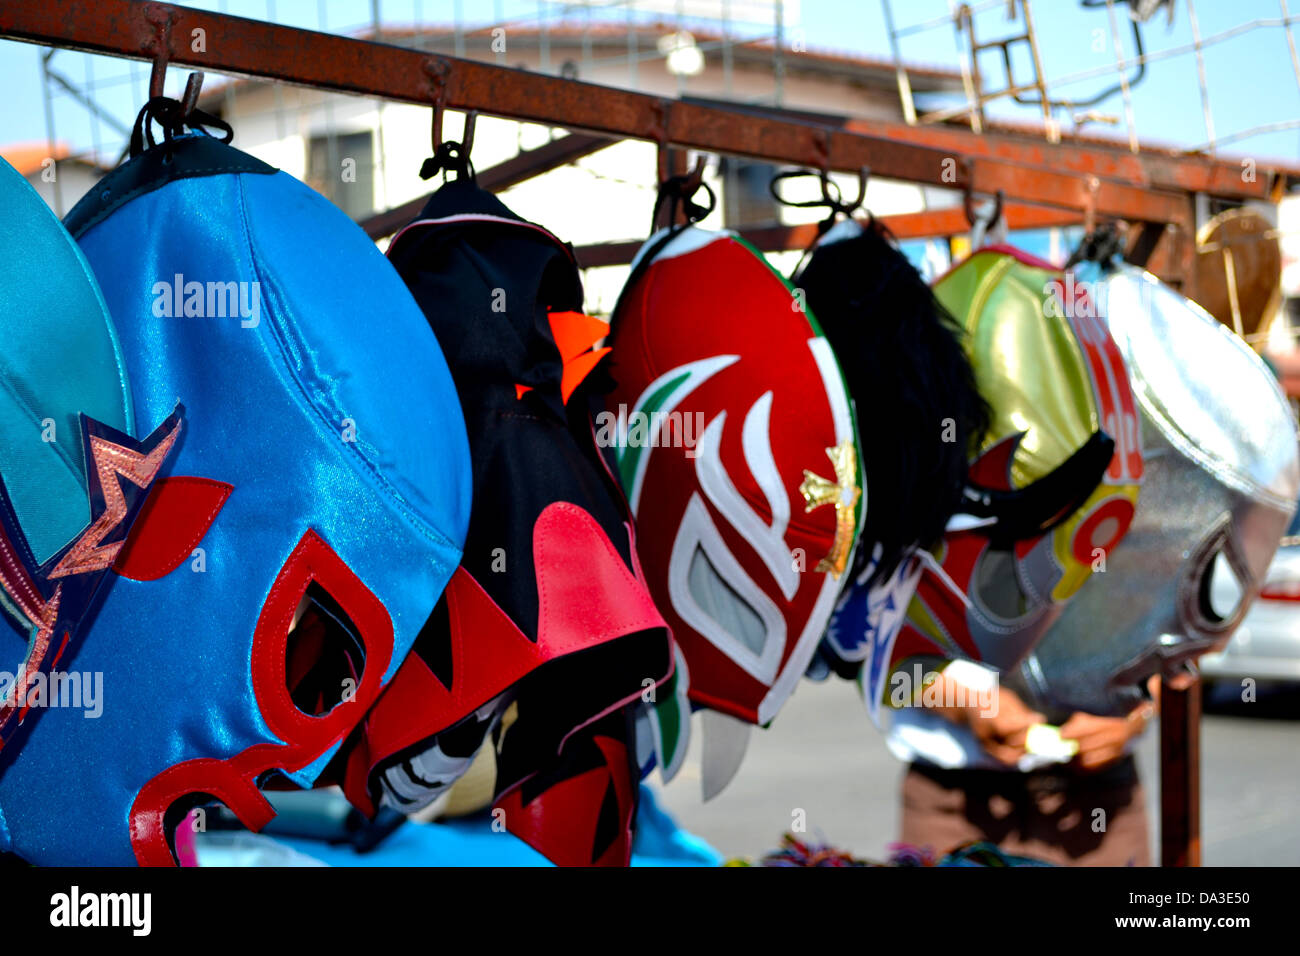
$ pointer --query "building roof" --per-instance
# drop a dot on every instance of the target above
(28, 158)
(605, 40)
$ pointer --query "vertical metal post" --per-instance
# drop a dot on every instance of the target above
(964, 20)
(631, 46)
(1180, 774)
(498, 15)
(331, 134)
(1200, 75)
(277, 91)
(1049, 121)
(587, 63)
(49, 127)
(544, 29)
(904, 83)
(727, 53)
(1122, 66)
(95, 143)
(778, 54)
(376, 20)
(1290, 42)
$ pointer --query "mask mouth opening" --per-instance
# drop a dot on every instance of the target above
(180, 828)
(324, 655)
(414, 778)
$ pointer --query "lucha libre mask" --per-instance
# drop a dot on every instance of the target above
(65, 415)
(547, 617)
(1221, 485)
(900, 350)
(1052, 489)
(322, 477)
(737, 447)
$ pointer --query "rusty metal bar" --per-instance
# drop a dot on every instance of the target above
(933, 223)
(1161, 169)
(250, 47)
(1180, 774)
(1143, 243)
(511, 172)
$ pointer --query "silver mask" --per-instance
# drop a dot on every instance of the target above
(1222, 477)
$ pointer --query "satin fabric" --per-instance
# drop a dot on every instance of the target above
(738, 449)
(1223, 477)
(60, 358)
(334, 414)
(1053, 378)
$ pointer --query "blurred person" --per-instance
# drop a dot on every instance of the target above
(973, 776)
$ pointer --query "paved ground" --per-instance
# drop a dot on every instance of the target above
(823, 756)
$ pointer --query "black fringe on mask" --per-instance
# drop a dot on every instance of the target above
(905, 367)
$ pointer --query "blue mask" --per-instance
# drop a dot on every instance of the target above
(71, 479)
(322, 476)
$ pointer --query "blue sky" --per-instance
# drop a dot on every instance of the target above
(1250, 77)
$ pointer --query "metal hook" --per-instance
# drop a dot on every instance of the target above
(437, 69)
(864, 174)
(694, 178)
(663, 111)
(834, 202)
(161, 18)
(467, 134)
(1090, 208)
(968, 205)
(190, 99)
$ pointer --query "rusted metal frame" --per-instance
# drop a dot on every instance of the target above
(941, 223)
(933, 223)
(1150, 168)
(323, 61)
(1143, 243)
(1180, 774)
(250, 47)
(511, 172)
(1072, 191)
(163, 34)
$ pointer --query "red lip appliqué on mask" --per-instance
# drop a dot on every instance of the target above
(233, 780)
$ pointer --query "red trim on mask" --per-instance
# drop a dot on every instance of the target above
(581, 604)
(993, 468)
(172, 522)
(560, 822)
(233, 780)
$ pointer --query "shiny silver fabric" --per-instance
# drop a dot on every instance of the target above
(1222, 477)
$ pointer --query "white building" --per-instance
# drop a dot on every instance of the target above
(57, 176)
(365, 154)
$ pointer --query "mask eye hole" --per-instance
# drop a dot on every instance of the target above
(1221, 592)
(1211, 595)
(324, 658)
(719, 600)
(997, 586)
